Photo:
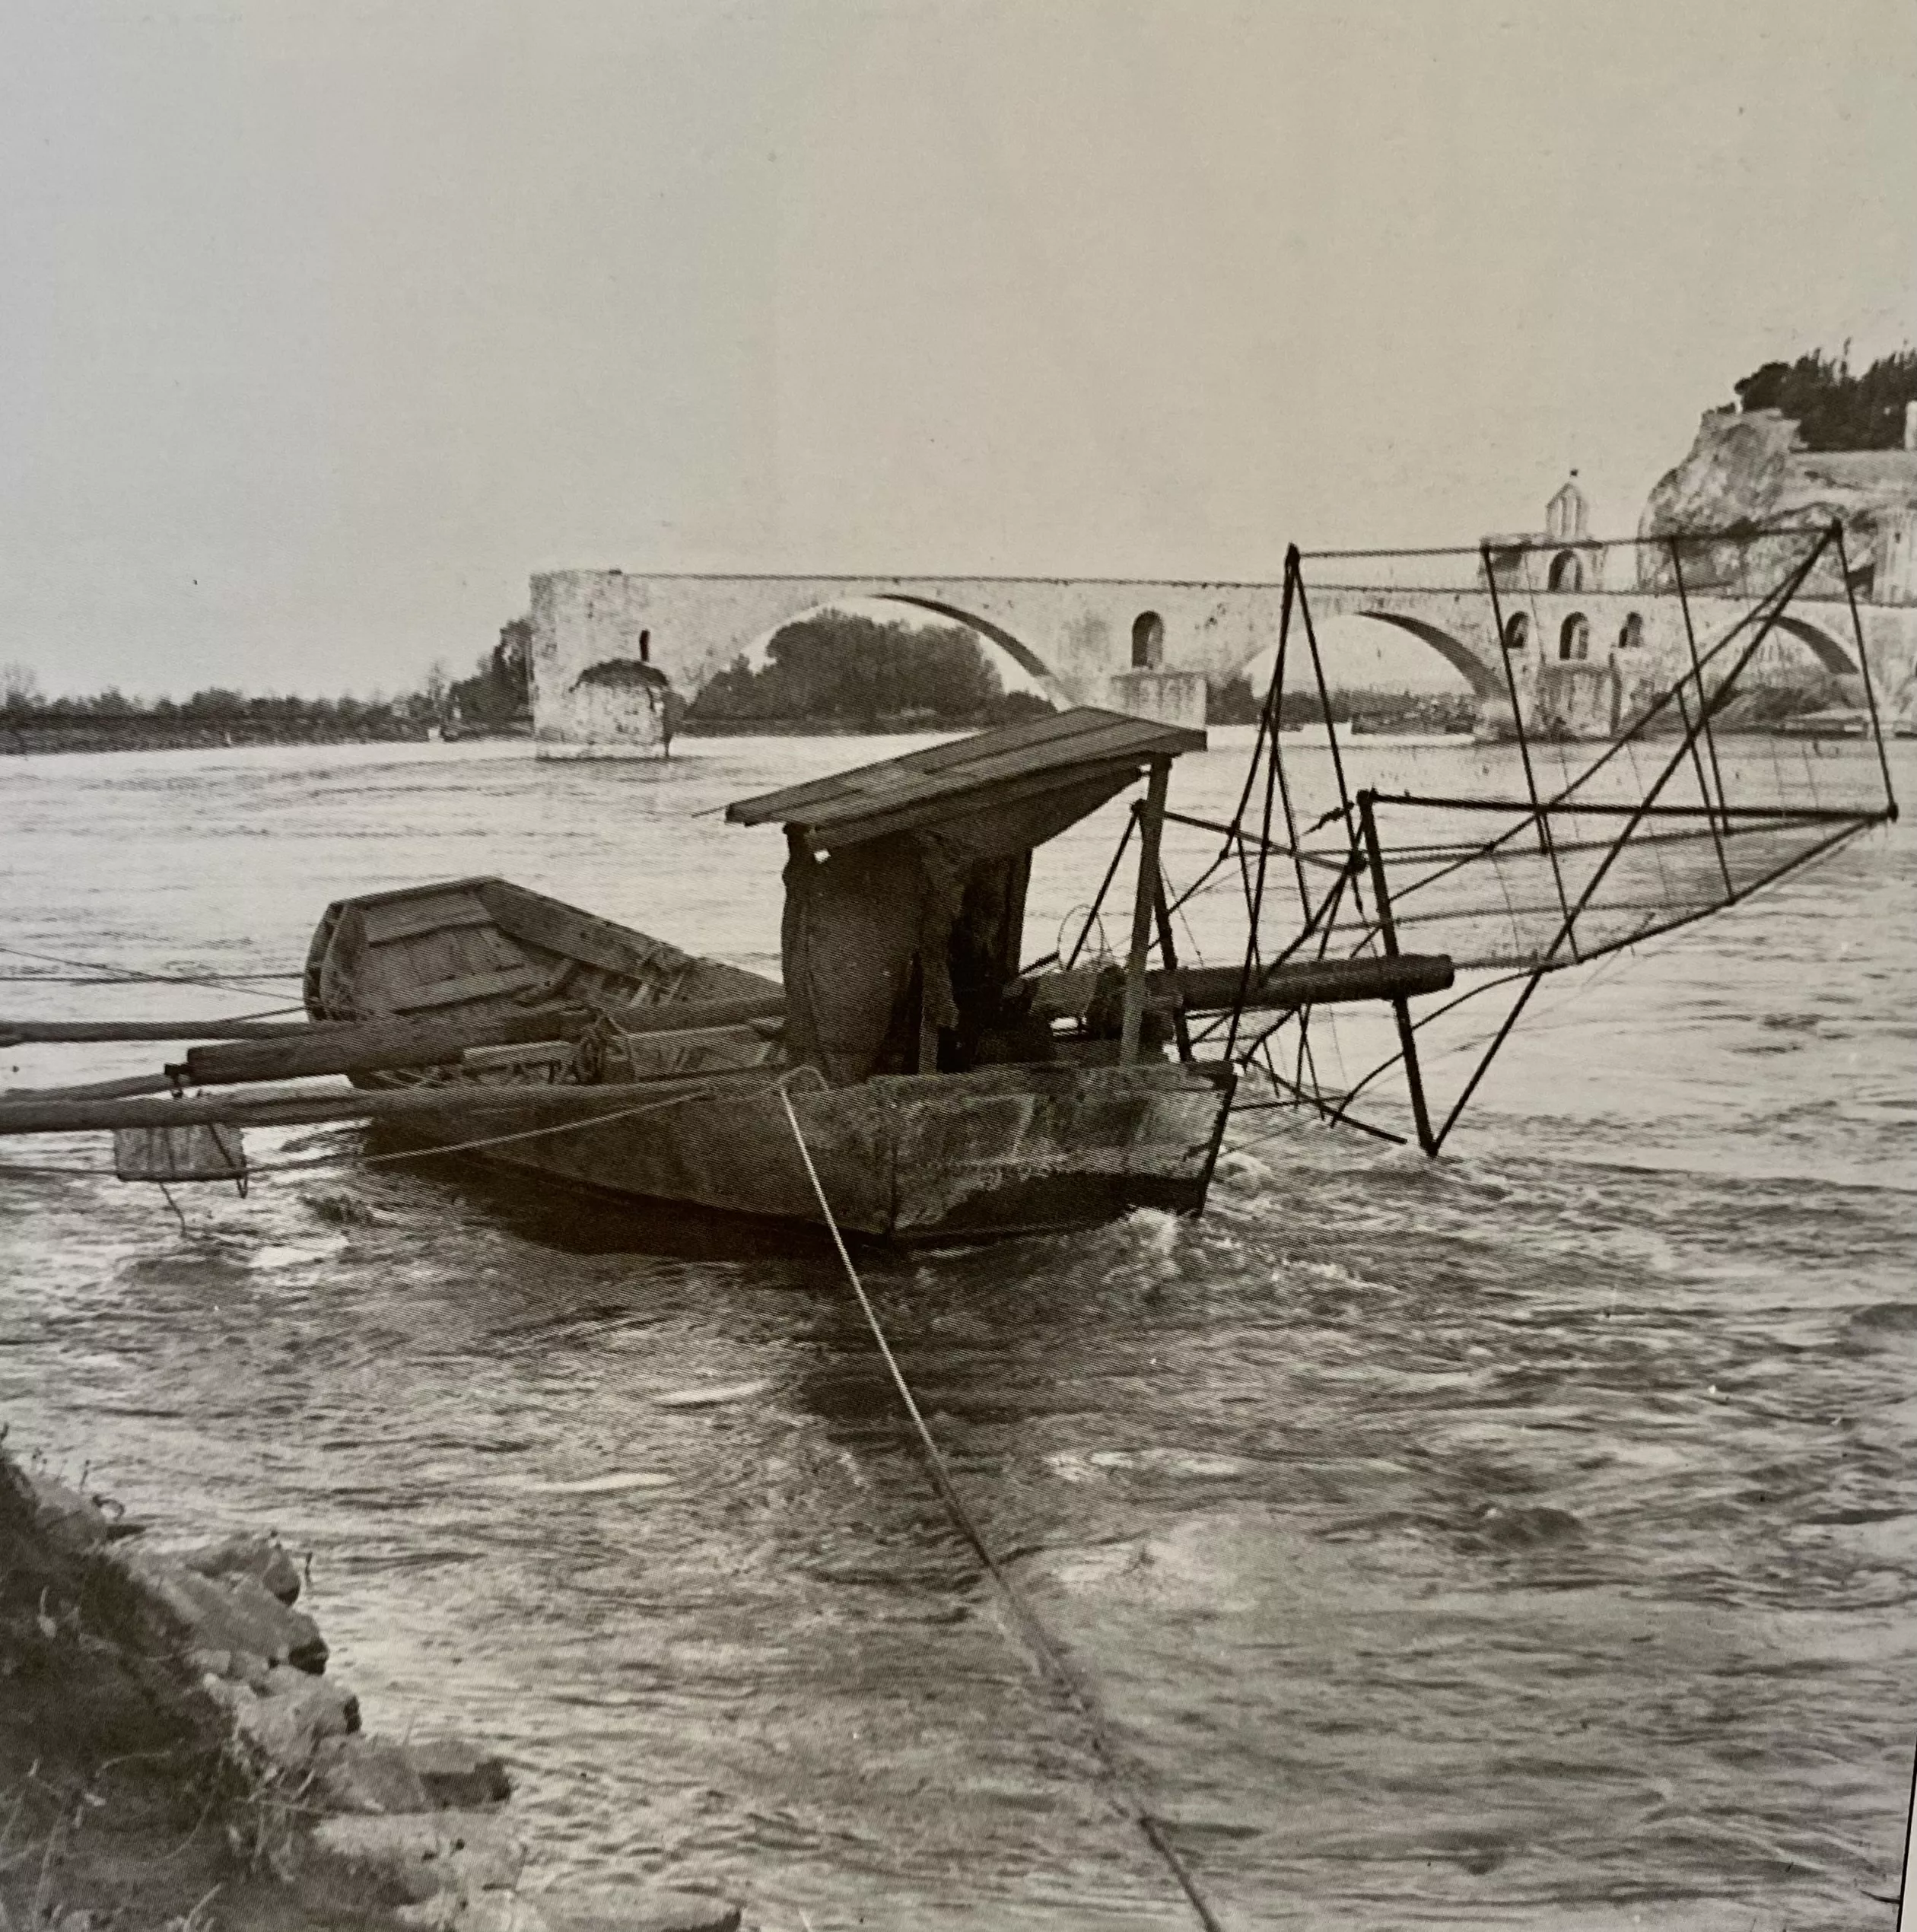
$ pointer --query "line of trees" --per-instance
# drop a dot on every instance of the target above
(832, 669)
(496, 697)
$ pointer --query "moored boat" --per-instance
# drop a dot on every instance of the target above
(903, 916)
(940, 1094)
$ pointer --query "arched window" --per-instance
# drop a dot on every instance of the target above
(1567, 571)
(645, 647)
(1574, 640)
(1632, 636)
(1148, 641)
(1516, 631)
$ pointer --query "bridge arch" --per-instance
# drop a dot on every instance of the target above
(1484, 681)
(1828, 651)
(1021, 654)
(861, 603)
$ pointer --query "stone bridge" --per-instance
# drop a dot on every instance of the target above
(607, 644)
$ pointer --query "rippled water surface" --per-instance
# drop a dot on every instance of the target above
(1526, 1539)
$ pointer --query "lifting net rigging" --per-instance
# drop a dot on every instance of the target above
(1618, 795)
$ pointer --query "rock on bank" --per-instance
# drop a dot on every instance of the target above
(173, 1754)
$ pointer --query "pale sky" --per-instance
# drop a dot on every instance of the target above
(324, 325)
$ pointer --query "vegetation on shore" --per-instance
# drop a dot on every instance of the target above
(1234, 702)
(836, 669)
(495, 698)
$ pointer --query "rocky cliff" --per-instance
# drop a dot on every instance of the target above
(1747, 472)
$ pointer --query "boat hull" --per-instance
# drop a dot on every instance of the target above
(1003, 1150)
(999, 1150)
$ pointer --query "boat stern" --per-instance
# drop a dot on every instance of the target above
(1026, 1149)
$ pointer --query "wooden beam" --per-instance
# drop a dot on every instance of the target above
(20, 1033)
(1387, 930)
(1168, 952)
(139, 1083)
(1214, 988)
(1151, 823)
(385, 1046)
(503, 1107)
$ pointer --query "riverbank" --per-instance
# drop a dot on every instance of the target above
(172, 1754)
(40, 736)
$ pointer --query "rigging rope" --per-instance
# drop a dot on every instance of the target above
(237, 983)
(1035, 1631)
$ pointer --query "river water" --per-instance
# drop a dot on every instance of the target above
(1523, 1539)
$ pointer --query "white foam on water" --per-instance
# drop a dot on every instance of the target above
(709, 1398)
(617, 1483)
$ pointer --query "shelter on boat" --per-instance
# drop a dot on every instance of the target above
(905, 888)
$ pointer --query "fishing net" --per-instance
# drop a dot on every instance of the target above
(1671, 725)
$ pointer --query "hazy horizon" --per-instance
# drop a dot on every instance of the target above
(329, 325)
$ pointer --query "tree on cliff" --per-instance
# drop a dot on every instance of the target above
(1835, 409)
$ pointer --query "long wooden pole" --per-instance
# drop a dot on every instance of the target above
(1151, 823)
(1387, 931)
(1216, 989)
(22, 1033)
(295, 1108)
(286, 1049)
(383, 1045)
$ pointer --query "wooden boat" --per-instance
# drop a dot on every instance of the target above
(995, 1149)
(906, 1070)
(939, 1095)
(919, 1126)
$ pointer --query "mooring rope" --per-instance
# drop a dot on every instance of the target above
(1035, 1633)
(132, 975)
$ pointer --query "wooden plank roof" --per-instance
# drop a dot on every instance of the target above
(966, 774)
